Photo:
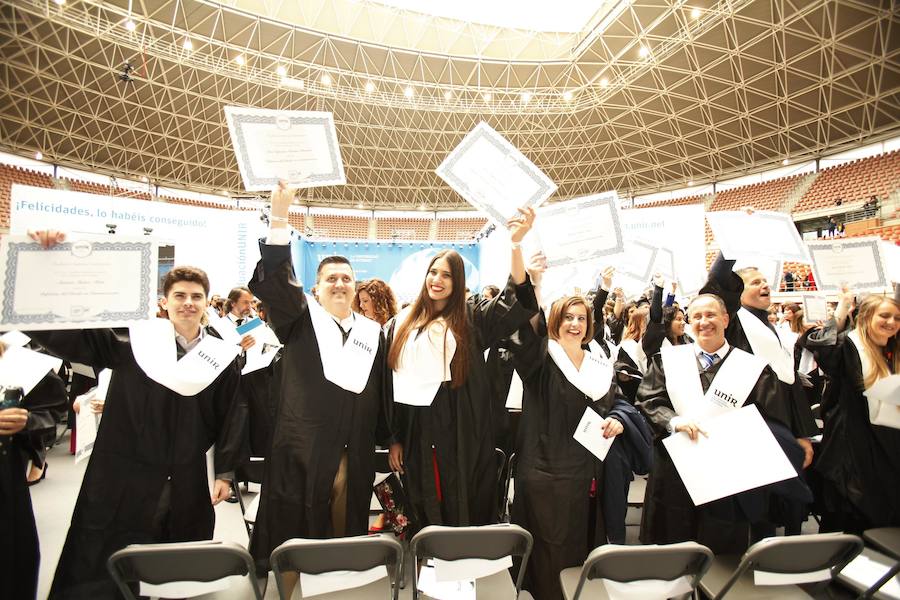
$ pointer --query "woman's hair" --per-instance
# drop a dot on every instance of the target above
(867, 310)
(796, 321)
(422, 313)
(637, 324)
(669, 314)
(383, 301)
(558, 312)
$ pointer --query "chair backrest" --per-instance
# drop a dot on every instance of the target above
(183, 561)
(798, 554)
(339, 554)
(635, 563)
(489, 542)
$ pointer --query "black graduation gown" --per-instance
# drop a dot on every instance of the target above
(316, 420)
(454, 436)
(150, 437)
(860, 462)
(669, 515)
(729, 286)
(19, 549)
(554, 472)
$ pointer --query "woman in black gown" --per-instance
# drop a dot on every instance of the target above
(562, 493)
(858, 458)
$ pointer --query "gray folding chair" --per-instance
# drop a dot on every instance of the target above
(183, 561)
(886, 539)
(882, 548)
(635, 563)
(791, 555)
(361, 553)
(490, 542)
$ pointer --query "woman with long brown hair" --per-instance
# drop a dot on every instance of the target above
(375, 299)
(440, 416)
(860, 452)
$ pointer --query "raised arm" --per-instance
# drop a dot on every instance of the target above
(600, 297)
(273, 279)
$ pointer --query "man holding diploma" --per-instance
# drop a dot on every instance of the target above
(173, 394)
(698, 380)
(318, 475)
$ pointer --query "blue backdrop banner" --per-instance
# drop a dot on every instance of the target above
(401, 264)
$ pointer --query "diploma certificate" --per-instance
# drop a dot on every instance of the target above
(856, 262)
(493, 176)
(761, 234)
(300, 147)
(815, 308)
(580, 229)
(77, 285)
(739, 454)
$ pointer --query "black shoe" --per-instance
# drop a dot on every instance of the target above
(231, 499)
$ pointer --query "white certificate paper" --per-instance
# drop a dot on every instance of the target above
(300, 147)
(856, 262)
(589, 434)
(815, 308)
(761, 234)
(580, 229)
(493, 176)
(739, 454)
(24, 368)
(77, 285)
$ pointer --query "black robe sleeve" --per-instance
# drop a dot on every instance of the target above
(655, 333)
(274, 283)
(726, 284)
(599, 321)
(653, 399)
(500, 316)
(99, 348)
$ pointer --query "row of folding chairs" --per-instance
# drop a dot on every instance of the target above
(769, 569)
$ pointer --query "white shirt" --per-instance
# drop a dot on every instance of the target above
(186, 345)
(721, 352)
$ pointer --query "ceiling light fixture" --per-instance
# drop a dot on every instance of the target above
(567, 96)
(786, 162)
(486, 96)
(448, 95)
(408, 92)
(422, 207)
(643, 51)
(38, 155)
(294, 83)
(526, 96)
(604, 82)
(60, 2)
(695, 13)
(691, 183)
(129, 25)
(326, 80)
(370, 87)
(188, 44)
(281, 70)
(239, 59)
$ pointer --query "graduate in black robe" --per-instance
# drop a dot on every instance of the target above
(565, 496)
(445, 450)
(19, 548)
(669, 514)
(859, 461)
(146, 481)
(319, 424)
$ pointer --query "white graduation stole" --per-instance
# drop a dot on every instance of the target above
(633, 349)
(777, 351)
(424, 362)
(880, 412)
(154, 347)
(595, 374)
(729, 389)
(347, 365)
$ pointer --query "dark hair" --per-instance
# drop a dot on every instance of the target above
(455, 312)
(185, 273)
(234, 295)
(332, 260)
(669, 314)
(558, 312)
(383, 300)
(493, 289)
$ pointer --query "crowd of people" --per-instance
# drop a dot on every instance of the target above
(431, 382)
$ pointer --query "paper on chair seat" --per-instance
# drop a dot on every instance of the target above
(445, 590)
(867, 568)
(188, 589)
(469, 568)
(768, 578)
(335, 581)
(647, 589)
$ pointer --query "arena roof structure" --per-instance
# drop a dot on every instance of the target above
(632, 95)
